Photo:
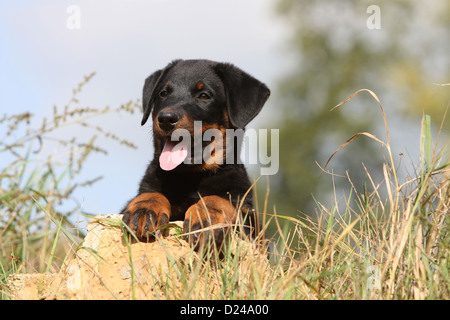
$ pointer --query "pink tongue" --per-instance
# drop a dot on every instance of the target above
(172, 155)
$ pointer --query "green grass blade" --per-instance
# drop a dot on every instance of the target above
(425, 144)
(55, 242)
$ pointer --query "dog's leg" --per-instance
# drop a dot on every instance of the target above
(209, 212)
(145, 213)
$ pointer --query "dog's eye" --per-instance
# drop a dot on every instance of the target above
(164, 94)
(203, 96)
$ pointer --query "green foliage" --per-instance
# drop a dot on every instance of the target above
(335, 54)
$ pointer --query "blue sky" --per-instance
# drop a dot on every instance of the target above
(41, 61)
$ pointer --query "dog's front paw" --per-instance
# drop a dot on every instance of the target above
(209, 220)
(145, 213)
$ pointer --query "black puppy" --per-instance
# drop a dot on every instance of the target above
(190, 179)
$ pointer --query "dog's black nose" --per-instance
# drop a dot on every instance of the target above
(167, 120)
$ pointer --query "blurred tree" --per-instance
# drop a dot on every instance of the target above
(334, 54)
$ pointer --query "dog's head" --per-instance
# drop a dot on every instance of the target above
(187, 92)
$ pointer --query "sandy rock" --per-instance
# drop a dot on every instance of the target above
(107, 267)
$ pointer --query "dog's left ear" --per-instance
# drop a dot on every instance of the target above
(148, 93)
(245, 95)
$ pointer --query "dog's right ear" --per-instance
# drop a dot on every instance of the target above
(149, 94)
